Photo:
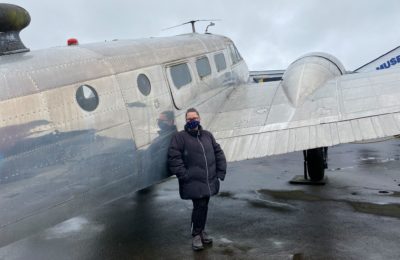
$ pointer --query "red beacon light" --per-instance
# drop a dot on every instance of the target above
(72, 41)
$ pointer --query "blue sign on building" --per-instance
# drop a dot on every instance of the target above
(393, 61)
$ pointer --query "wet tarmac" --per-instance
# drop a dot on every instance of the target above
(257, 215)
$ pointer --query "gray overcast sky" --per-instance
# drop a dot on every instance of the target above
(269, 34)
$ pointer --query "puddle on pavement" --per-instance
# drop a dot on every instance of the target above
(395, 194)
(389, 193)
(259, 203)
(377, 160)
(77, 227)
(290, 195)
(228, 252)
(225, 194)
(232, 249)
(389, 210)
(340, 168)
(243, 248)
(298, 256)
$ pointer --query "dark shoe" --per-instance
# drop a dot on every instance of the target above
(205, 238)
(197, 244)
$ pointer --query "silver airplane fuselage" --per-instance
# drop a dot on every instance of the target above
(78, 124)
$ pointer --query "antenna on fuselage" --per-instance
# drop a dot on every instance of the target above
(211, 24)
(192, 22)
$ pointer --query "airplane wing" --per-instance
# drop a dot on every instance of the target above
(262, 119)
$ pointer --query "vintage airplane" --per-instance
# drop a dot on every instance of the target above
(82, 125)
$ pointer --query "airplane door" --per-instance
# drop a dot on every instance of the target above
(181, 82)
(151, 117)
(146, 96)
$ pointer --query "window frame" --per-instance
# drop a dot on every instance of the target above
(220, 54)
(141, 90)
(80, 100)
(209, 67)
(234, 53)
(186, 63)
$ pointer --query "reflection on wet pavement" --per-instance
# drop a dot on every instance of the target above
(257, 215)
(73, 228)
(390, 210)
(256, 200)
(396, 194)
(290, 195)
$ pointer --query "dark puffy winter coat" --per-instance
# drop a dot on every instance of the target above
(198, 162)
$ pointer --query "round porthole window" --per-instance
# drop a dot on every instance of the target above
(87, 98)
(144, 85)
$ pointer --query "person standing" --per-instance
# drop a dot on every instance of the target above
(199, 163)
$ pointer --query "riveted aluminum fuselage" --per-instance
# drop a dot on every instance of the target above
(57, 160)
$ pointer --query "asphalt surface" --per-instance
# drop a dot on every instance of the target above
(257, 215)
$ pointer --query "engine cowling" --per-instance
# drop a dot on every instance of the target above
(307, 73)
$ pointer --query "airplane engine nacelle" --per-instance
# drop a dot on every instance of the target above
(307, 73)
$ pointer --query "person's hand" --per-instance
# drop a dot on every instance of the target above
(184, 177)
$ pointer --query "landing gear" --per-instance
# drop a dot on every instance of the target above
(315, 163)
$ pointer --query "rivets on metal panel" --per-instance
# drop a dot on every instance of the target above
(156, 103)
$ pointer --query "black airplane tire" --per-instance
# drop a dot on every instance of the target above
(315, 164)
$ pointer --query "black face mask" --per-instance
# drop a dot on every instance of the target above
(192, 124)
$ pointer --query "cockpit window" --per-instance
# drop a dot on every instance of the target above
(203, 67)
(180, 75)
(220, 61)
(144, 85)
(235, 55)
(87, 98)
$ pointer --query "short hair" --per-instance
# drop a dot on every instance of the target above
(192, 109)
(168, 114)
